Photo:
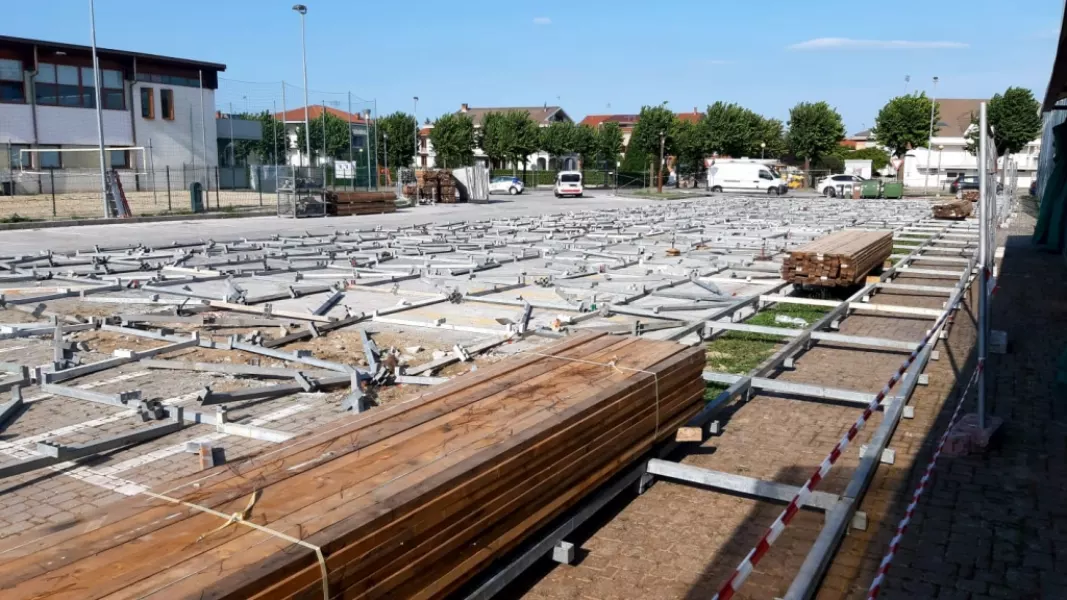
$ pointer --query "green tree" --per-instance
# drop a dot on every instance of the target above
(730, 129)
(584, 144)
(772, 133)
(270, 149)
(652, 130)
(1014, 118)
(815, 129)
(495, 138)
(608, 144)
(558, 139)
(690, 147)
(400, 144)
(453, 140)
(904, 123)
(337, 132)
(524, 139)
(879, 158)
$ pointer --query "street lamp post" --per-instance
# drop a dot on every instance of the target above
(415, 113)
(303, 10)
(762, 150)
(373, 151)
(618, 166)
(930, 139)
(99, 109)
(385, 153)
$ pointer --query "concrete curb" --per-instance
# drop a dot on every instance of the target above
(156, 219)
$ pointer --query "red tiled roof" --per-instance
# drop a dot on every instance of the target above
(296, 115)
(594, 120)
(692, 117)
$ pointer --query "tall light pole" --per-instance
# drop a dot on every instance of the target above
(907, 79)
(763, 150)
(659, 176)
(930, 139)
(370, 153)
(415, 113)
(303, 10)
(385, 153)
(99, 109)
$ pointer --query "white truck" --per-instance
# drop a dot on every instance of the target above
(729, 175)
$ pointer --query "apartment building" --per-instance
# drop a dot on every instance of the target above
(158, 112)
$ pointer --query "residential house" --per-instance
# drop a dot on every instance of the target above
(948, 157)
(859, 140)
(157, 113)
(293, 119)
(542, 115)
(626, 123)
(427, 158)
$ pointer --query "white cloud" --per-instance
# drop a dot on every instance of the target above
(542, 21)
(852, 44)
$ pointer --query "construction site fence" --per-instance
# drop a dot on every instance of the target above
(590, 178)
(68, 194)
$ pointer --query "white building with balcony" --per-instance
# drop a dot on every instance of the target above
(158, 115)
(948, 157)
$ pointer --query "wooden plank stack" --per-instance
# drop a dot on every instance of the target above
(953, 209)
(409, 500)
(343, 204)
(843, 258)
(436, 185)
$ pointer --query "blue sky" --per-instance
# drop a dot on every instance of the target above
(594, 56)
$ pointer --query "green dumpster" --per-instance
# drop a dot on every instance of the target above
(893, 191)
(871, 189)
(196, 197)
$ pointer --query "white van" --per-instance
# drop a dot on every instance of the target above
(744, 176)
(569, 183)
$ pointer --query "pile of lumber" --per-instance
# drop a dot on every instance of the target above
(409, 500)
(436, 185)
(843, 258)
(953, 209)
(343, 204)
(970, 195)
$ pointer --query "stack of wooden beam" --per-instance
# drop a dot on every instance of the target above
(970, 195)
(839, 259)
(342, 203)
(953, 209)
(438, 186)
(405, 501)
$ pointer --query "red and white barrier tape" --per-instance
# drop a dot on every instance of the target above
(750, 561)
(902, 527)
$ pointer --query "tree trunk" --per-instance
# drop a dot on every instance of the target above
(807, 172)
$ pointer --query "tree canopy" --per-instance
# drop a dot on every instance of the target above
(689, 146)
(815, 129)
(453, 140)
(904, 123)
(400, 146)
(584, 143)
(338, 136)
(524, 136)
(557, 139)
(608, 143)
(653, 122)
(1014, 118)
(494, 137)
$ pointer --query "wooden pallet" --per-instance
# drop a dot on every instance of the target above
(348, 203)
(843, 258)
(405, 501)
(953, 209)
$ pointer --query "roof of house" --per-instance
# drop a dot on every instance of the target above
(104, 52)
(956, 115)
(692, 117)
(296, 115)
(861, 135)
(622, 120)
(542, 115)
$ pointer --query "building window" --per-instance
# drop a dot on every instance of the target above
(168, 79)
(49, 160)
(16, 156)
(67, 85)
(148, 103)
(12, 84)
(120, 159)
(166, 104)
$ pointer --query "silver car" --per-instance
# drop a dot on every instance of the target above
(506, 185)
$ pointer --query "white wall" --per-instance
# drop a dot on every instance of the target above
(16, 125)
(954, 159)
(181, 141)
(66, 125)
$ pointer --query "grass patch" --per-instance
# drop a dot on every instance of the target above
(17, 218)
(654, 195)
(712, 391)
(738, 352)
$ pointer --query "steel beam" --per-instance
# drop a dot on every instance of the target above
(738, 484)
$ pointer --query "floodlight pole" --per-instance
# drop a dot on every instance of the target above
(300, 8)
(99, 109)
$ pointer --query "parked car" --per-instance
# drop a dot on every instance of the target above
(506, 185)
(827, 186)
(745, 176)
(969, 182)
(569, 183)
